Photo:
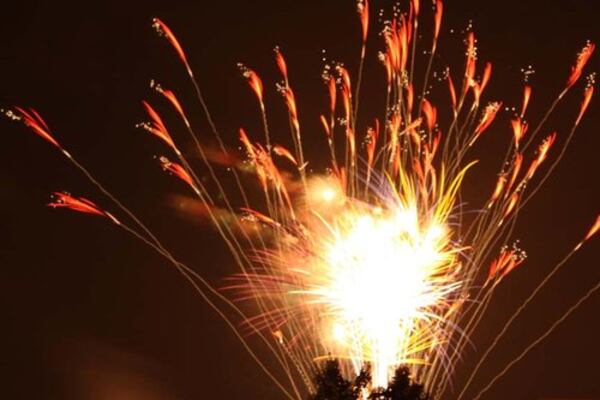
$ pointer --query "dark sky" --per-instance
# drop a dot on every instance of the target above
(89, 313)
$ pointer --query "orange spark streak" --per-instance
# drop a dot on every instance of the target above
(163, 29)
(33, 121)
(176, 170)
(582, 58)
(79, 204)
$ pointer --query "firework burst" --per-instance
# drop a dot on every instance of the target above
(373, 261)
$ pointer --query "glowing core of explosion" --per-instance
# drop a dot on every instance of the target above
(379, 276)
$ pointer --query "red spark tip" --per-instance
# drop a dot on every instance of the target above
(500, 184)
(290, 101)
(246, 142)
(594, 229)
(516, 168)
(430, 113)
(79, 204)
(283, 152)
(34, 121)
(254, 81)
(177, 170)
(363, 10)
(157, 127)
(452, 91)
(543, 150)
(508, 260)
(526, 98)
(281, 64)
(410, 96)
(587, 97)
(471, 61)
(439, 9)
(519, 129)
(170, 96)
(416, 6)
(260, 217)
(487, 73)
(165, 31)
(332, 94)
(489, 114)
(345, 76)
(582, 58)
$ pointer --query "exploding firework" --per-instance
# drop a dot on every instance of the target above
(374, 261)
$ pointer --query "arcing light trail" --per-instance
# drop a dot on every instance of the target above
(374, 261)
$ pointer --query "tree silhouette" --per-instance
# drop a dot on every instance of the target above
(331, 385)
(402, 387)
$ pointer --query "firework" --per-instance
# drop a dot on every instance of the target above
(373, 261)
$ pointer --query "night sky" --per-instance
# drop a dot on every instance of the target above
(90, 313)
